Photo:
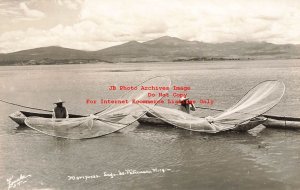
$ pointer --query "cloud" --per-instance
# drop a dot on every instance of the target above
(110, 22)
(70, 4)
(84, 35)
(31, 13)
(209, 21)
(7, 10)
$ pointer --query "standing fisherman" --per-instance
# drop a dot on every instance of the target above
(60, 111)
(185, 106)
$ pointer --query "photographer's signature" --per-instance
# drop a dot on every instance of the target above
(15, 182)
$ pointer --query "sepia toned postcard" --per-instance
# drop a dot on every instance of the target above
(148, 94)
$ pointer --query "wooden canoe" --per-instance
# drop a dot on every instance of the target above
(279, 122)
(268, 121)
(242, 127)
(20, 116)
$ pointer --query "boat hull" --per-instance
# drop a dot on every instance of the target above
(278, 122)
(20, 116)
(242, 127)
(250, 124)
(153, 120)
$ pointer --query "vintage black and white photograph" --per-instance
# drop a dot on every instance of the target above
(149, 94)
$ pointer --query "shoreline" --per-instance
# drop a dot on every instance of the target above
(136, 62)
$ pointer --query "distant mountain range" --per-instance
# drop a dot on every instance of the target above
(158, 50)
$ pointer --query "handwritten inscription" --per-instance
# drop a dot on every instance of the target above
(13, 183)
(86, 177)
(119, 173)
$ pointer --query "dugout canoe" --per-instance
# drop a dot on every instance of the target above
(276, 122)
(279, 122)
(20, 116)
(242, 127)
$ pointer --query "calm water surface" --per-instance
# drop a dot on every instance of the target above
(269, 159)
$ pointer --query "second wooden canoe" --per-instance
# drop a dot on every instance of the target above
(279, 122)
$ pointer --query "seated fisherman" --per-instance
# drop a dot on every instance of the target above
(185, 106)
(60, 111)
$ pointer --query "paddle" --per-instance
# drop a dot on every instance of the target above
(24, 106)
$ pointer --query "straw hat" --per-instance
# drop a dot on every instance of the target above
(59, 101)
(183, 98)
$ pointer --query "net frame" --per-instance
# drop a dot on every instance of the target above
(98, 115)
(254, 115)
(214, 124)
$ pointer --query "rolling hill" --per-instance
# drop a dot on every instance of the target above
(162, 49)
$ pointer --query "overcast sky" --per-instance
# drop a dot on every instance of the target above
(96, 24)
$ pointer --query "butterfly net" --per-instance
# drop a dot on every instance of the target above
(257, 101)
(113, 118)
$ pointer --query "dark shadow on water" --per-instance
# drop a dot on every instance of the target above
(22, 127)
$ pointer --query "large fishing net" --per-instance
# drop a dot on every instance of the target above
(113, 118)
(256, 102)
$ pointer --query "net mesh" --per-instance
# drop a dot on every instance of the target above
(257, 101)
(113, 118)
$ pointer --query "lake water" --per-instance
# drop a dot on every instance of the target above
(157, 157)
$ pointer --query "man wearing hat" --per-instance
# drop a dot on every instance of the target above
(185, 106)
(60, 111)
